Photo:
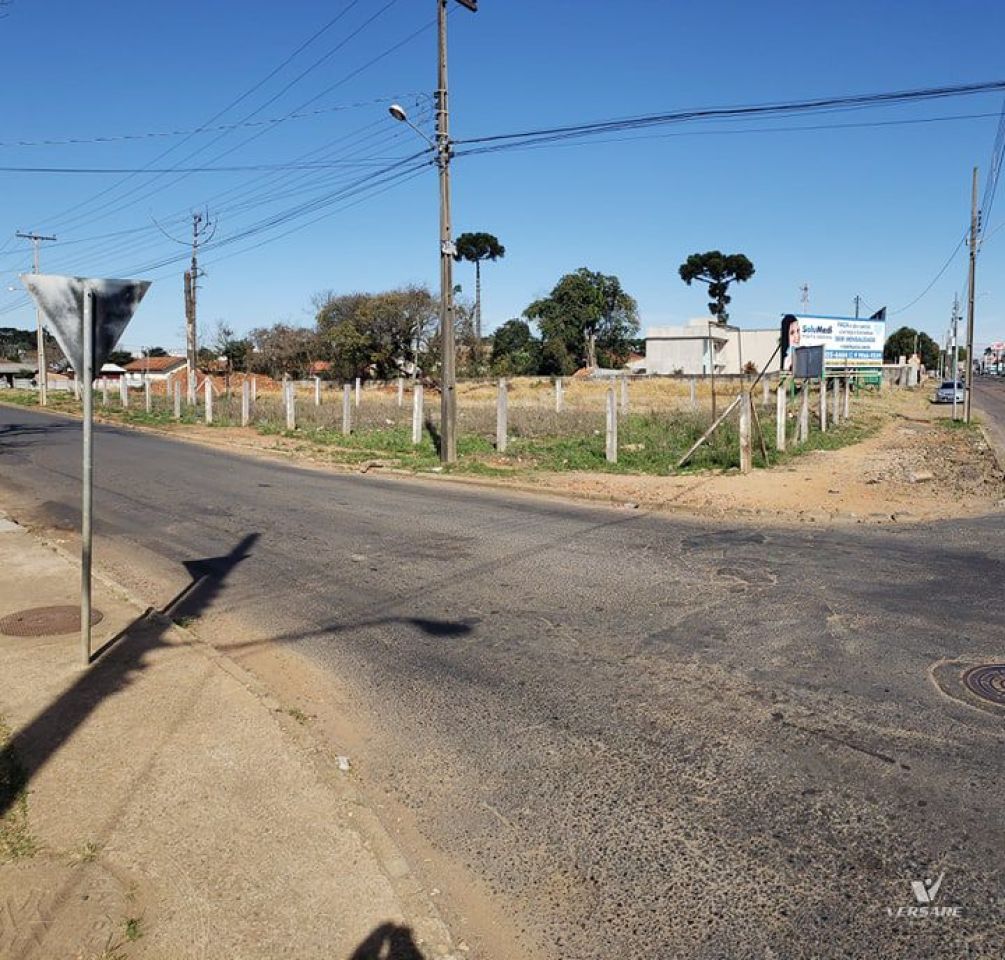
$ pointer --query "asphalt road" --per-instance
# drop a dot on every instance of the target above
(648, 736)
(989, 401)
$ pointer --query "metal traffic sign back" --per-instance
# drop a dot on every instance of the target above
(61, 300)
(87, 317)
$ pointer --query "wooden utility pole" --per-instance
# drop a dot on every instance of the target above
(970, 301)
(43, 368)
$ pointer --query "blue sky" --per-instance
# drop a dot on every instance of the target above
(869, 210)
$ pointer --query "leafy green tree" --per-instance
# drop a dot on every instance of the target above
(120, 357)
(380, 333)
(515, 350)
(905, 340)
(155, 352)
(476, 248)
(718, 270)
(591, 316)
(14, 341)
(471, 360)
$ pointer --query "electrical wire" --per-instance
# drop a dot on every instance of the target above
(162, 134)
(816, 105)
(102, 212)
(935, 279)
(734, 132)
(994, 172)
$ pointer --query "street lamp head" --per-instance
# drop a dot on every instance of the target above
(398, 112)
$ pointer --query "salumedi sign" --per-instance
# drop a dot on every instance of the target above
(849, 343)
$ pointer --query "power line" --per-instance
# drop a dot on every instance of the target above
(98, 214)
(350, 146)
(215, 128)
(809, 128)
(821, 104)
(935, 279)
(255, 167)
(230, 106)
(994, 171)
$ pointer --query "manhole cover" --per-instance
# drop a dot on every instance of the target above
(987, 682)
(45, 621)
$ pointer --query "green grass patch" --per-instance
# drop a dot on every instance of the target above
(133, 928)
(16, 841)
(956, 426)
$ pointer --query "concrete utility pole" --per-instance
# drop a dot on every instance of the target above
(443, 149)
(970, 302)
(956, 348)
(858, 304)
(202, 231)
(448, 373)
(43, 371)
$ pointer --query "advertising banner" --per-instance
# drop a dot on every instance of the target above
(848, 342)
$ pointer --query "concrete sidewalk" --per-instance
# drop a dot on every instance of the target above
(172, 810)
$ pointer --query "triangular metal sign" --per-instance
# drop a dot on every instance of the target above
(61, 301)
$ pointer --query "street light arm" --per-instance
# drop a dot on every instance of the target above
(398, 112)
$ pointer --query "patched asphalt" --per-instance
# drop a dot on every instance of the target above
(650, 736)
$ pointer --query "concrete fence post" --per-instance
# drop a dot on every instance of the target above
(147, 399)
(245, 403)
(76, 386)
(612, 426)
(835, 401)
(823, 405)
(124, 392)
(177, 399)
(847, 397)
(693, 383)
(359, 388)
(804, 412)
(254, 389)
(104, 392)
(401, 392)
(207, 387)
(291, 406)
(559, 395)
(765, 391)
(781, 414)
(502, 411)
(746, 448)
(624, 395)
(416, 414)
(346, 410)
(317, 391)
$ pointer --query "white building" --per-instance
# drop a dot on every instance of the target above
(702, 342)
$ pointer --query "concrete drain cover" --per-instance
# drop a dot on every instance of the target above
(45, 621)
(987, 682)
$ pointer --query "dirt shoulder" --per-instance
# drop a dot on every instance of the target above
(916, 466)
(899, 460)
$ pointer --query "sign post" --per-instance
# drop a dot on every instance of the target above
(86, 473)
(87, 317)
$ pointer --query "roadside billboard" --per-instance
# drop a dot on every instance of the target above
(849, 343)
